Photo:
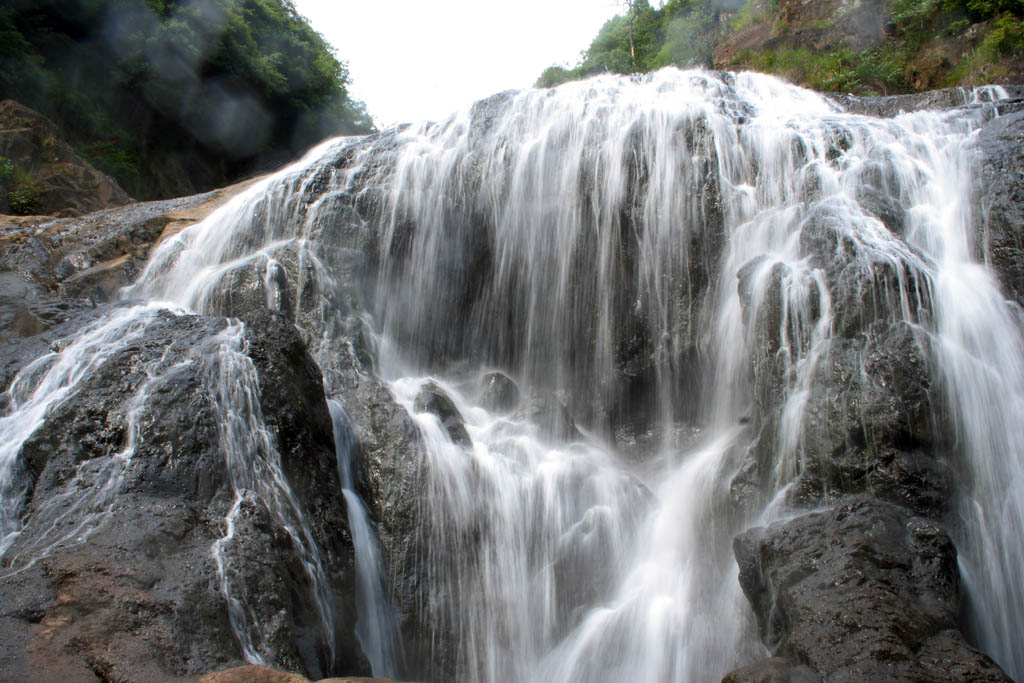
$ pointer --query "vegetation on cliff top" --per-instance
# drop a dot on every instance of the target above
(176, 96)
(870, 47)
(679, 33)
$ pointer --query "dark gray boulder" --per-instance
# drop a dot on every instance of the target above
(136, 593)
(872, 420)
(869, 589)
(861, 592)
(772, 670)
(432, 399)
(500, 392)
(390, 472)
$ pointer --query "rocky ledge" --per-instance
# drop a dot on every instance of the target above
(41, 173)
(862, 584)
(127, 490)
(864, 591)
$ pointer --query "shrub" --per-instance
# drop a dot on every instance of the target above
(1006, 36)
(868, 72)
(24, 201)
(114, 159)
(6, 170)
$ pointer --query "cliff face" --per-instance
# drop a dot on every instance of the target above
(141, 549)
(41, 174)
(870, 46)
(141, 598)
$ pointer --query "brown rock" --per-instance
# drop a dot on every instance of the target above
(772, 670)
(252, 673)
(47, 262)
(57, 178)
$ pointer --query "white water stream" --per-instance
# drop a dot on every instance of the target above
(546, 236)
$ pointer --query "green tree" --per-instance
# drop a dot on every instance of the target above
(216, 88)
(643, 38)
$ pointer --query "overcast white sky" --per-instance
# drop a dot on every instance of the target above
(411, 60)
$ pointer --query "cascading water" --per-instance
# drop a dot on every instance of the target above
(88, 500)
(43, 384)
(981, 357)
(254, 468)
(376, 630)
(668, 261)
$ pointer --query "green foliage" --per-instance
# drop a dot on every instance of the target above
(113, 159)
(554, 75)
(685, 33)
(870, 72)
(1006, 36)
(1001, 23)
(914, 16)
(688, 41)
(24, 201)
(752, 12)
(920, 19)
(678, 33)
(22, 192)
(226, 85)
(6, 170)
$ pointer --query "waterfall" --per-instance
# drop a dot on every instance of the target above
(666, 268)
(376, 629)
(45, 383)
(981, 357)
(254, 469)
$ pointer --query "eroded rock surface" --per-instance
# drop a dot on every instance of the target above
(861, 592)
(999, 209)
(869, 588)
(50, 176)
(128, 491)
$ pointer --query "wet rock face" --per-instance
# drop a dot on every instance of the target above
(432, 399)
(999, 215)
(873, 577)
(546, 410)
(393, 477)
(294, 408)
(138, 596)
(868, 590)
(638, 334)
(893, 105)
(870, 423)
(862, 592)
(51, 267)
(872, 417)
(500, 392)
(390, 475)
(644, 352)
